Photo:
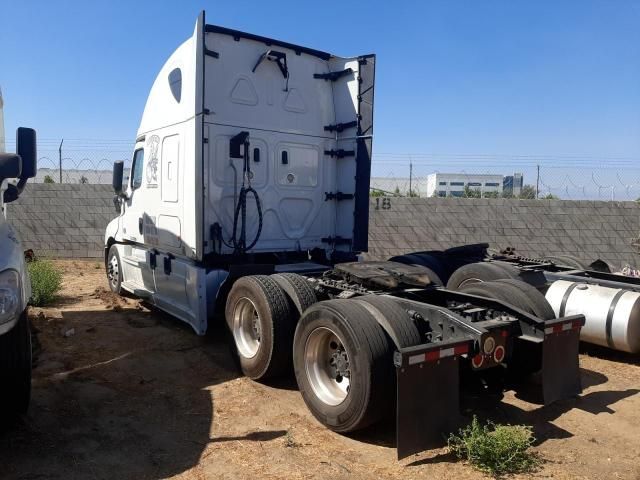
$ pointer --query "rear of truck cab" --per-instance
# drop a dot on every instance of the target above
(306, 119)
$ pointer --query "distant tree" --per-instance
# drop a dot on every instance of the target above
(376, 193)
(414, 194)
(550, 196)
(397, 191)
(471, 192)
(527, 192)
(48, 179)
(84, 179)
(507, 194)
(490, 194)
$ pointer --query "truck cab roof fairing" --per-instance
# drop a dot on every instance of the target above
(172, 98)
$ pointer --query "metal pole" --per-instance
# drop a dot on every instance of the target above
(538, 182)
(410, 174)
(60, 158)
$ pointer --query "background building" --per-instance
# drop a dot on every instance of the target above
(453, 184)
(513, 184)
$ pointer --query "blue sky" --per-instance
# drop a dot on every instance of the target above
(542, 77)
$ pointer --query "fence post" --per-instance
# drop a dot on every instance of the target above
(60, 158)
(410, 175)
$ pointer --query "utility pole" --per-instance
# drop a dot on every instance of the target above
(538, 181)
(410, 175)
(60, 158)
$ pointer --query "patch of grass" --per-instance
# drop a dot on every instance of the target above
(496, 449)
(46, 281)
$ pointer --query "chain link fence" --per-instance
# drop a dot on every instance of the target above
(490, 176)
(422, 175)
(76, 161)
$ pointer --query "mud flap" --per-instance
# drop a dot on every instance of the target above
(560, 374)
(428, 405)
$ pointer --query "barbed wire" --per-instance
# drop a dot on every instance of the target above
(565, 176)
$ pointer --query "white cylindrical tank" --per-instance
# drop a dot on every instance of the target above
(612, 314)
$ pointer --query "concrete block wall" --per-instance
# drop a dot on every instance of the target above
(587, 229)
(60, 220)
(63, 220)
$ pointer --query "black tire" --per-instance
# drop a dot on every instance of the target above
(298, 289)
(114, 270)
(537, 300)
(509, 268)
(370, 352)
(568, 261)
(262, 296)
(500, 291)
(431, 265)
(476, 273)
(15, 369)
(405, 331)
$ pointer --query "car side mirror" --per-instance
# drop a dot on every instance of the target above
(118, 173)
(26, 148)
(10, 166)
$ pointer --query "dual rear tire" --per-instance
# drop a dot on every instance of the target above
(341, 356)
(500, 280)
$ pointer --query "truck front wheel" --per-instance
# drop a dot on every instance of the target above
(15, 369)
(114, 270)
(343, 365)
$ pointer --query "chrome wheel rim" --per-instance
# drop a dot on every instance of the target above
(113, 271)
(247, 331)
(327, 366)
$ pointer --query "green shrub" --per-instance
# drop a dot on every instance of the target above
(495, 449)
(46, 280)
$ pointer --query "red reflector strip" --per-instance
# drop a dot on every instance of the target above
(460, 349)
(562, 327)
(432, 356)
(437, 354)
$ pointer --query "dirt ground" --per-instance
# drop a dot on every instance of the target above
(121, 391)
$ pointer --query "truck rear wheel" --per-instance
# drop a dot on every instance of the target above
(15, 369)
(537, 300)
(476, 273)
(568, 261)
(343, 365)
(259, 317)
(502, 292)
(297, 289)
(114, 270)
(405, 331)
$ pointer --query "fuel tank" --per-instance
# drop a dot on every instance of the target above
(612, 314)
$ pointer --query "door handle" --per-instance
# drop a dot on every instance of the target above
(140, 225)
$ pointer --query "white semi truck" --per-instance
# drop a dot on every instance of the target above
(248, 203)
(15, 286)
